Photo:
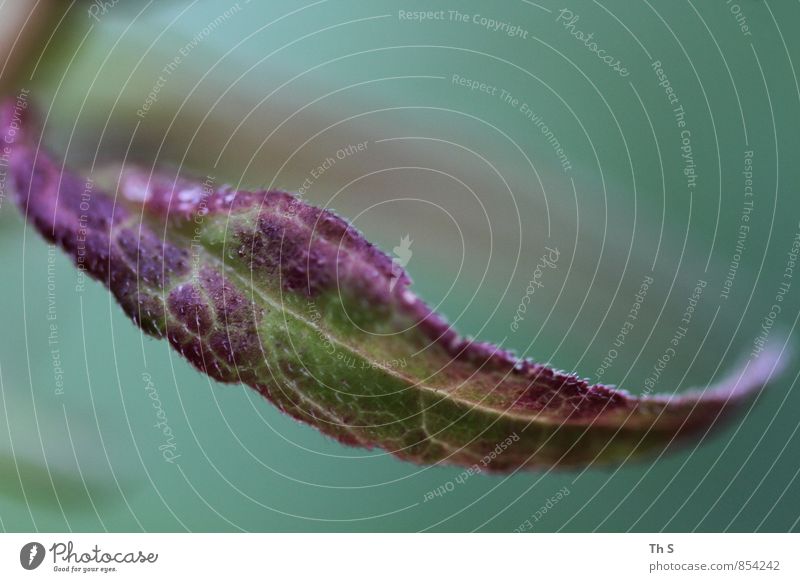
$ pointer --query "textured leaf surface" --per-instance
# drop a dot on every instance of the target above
(264, 289)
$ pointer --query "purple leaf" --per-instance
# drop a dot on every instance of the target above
(265, 289)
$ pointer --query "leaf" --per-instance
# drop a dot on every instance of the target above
(36, 484)
(264, 289)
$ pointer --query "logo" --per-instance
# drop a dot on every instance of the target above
(403, 254)
(31, 555)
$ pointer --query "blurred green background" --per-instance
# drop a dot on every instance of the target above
(258, 94)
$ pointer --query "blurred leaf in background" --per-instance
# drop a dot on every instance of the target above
(261, 94)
